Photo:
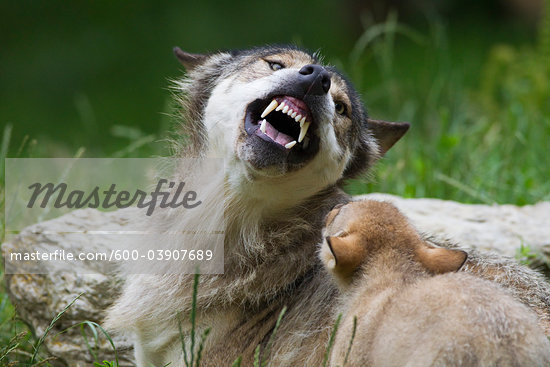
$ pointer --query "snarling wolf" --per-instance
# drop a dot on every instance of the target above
(291, 131)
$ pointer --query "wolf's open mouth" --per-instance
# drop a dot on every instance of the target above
(283, 120)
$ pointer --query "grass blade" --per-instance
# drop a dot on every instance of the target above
(237, 362)
(201, 346)
(331, 340)
(49, 328)
(182, 340)
(267, 350)
(194, 315)
(351, 340)
(257, 356)
(93, 326)
(6, 137)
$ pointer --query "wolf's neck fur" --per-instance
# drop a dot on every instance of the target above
(266, 252)
(270, 248)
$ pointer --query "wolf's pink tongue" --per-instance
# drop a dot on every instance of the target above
(277, 136)
(271, 131)
(283, 139)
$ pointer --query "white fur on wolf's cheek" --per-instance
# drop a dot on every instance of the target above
(331, 155)
(326, 130)
(332, 159)
(225, 112)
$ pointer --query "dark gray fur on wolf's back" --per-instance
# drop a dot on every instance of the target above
(38, 298)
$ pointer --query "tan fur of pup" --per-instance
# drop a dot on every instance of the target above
(412, 307)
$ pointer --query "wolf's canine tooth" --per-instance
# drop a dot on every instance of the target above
(291, 144)
(280, 105)
(269, 108)
(263, 126)
(303, 131)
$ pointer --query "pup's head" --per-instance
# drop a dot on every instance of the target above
(276, 111)
(359, 231)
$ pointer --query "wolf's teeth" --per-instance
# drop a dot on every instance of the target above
(263, 126)
(281, 106)
(303, 131)
(269, 108)
(293, 114)
(289, 112)
(285, 110)
(298, 118)
(291, 144)
(302, 121)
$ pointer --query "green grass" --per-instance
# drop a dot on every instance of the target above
(480, 143)
(478, 108)
(533, 258)
(18, 347)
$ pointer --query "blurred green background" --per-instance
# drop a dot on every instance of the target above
(90, 78)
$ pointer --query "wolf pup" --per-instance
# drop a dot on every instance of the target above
(420, 312)
(291, 131)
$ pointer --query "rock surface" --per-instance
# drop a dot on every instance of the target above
(39, 298)
(499, 228)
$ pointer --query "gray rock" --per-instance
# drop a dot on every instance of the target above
(39, 298)
(499, 228)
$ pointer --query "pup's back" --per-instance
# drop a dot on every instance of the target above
(412, 307)
(455, 319)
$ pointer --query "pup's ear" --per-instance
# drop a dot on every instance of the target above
(347, 252)
(188, 60)
(387, 133)
(440, 260)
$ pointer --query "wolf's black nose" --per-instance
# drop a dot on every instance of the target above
(314, 79)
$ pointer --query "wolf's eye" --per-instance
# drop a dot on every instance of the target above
(340, 108)
(275, 65)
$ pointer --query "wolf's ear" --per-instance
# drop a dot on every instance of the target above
(189, 61)
(440, 260)
(387, 133)
(348, 253)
